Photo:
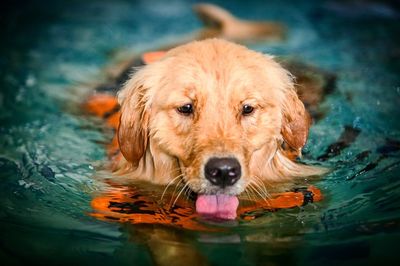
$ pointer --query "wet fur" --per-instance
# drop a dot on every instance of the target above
(218, 77)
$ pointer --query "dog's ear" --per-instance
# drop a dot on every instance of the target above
(133, 127)
(296, 122)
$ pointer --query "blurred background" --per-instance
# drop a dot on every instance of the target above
(50, 52)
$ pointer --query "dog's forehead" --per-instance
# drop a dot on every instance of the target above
(217, 73)
(231, 73)
(234, 86)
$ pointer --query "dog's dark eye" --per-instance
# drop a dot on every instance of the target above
(247, 109)
(186, 109)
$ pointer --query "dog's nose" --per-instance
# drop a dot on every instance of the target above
(223, 172)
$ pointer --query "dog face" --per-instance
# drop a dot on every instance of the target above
(216, 114)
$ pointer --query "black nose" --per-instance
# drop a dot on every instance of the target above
(223, 171)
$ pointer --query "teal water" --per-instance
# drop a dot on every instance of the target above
(49, 151)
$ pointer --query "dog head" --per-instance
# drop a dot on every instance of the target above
(215, 114)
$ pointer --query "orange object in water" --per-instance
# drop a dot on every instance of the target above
(151, 57)
(124, 204)
(101, 104)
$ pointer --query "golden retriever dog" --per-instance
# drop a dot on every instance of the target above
(216, 115)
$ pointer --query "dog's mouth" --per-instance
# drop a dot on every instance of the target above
(219, 206)
(217, 188)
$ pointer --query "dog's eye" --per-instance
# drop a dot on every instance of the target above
(247, 109)
(186, 109)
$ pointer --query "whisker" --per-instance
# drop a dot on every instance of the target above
(250, 196)
(187, 192)
(179, 194)
(169, 184)
(175, 189)
(261, 189)
(260, 181)
(247, 194)
(262, 186)
(256, 191)
(264, 191)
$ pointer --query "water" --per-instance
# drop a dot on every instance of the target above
(49, 151)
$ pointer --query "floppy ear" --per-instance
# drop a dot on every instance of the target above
(296, 122)
(295, 125)
(133, 127)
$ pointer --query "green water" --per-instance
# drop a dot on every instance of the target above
(49, 151)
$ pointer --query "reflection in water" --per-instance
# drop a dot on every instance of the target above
(131, 204)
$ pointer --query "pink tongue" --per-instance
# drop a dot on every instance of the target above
(217, 206)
